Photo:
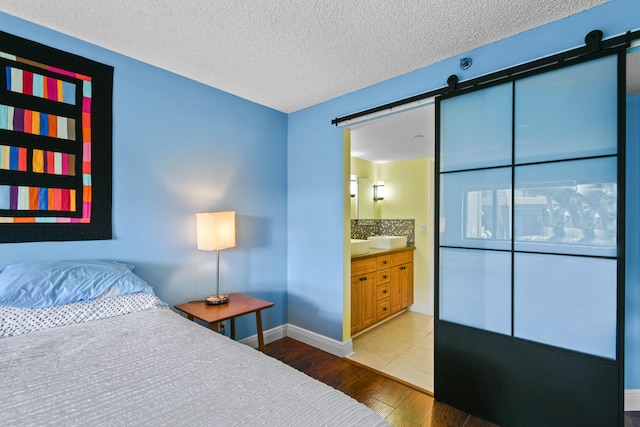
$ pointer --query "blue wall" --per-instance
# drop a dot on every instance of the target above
(180, 147)
(632, 291)
(315, 189)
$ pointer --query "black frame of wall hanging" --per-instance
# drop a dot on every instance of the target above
(99, 226)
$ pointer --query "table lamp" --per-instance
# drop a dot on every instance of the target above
(216, 231)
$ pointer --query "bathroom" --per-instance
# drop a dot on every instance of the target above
(391, 189)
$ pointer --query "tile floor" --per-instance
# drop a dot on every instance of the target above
(401, 347)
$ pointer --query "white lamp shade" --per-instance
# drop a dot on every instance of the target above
(216, 230)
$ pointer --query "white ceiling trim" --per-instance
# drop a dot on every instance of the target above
(361, 120)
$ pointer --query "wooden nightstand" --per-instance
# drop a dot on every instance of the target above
(238, 305)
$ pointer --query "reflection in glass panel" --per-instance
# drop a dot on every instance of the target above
(632, 221)
(567, 207)
(475, 209)
(568, 113)
(475, 129)
(487, 214)
(364, 205)
(566, 301)
(475, 288)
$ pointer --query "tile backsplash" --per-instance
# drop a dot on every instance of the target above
(361, 229)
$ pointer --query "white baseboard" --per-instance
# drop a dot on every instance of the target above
(337, 348)
(270, 335)
(632, 400)
(422, 308)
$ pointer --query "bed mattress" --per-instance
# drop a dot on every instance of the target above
(155, 367)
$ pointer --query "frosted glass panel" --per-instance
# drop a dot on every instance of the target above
(475, 209)
(567, 207)
(568, 113)
(565, 301)
(475, 129)
(475, 288)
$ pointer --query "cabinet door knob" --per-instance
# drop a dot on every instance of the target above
(363, 279)
(384, 309)
(384, 277)
(384, 262)
(403, 268)
(384, 292)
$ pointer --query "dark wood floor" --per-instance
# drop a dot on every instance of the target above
(632, 419)
(397, 403)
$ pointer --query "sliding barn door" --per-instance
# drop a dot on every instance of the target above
(530, 276)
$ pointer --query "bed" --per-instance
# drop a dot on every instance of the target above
(114, 354)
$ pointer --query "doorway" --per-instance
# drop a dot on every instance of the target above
(631, 247)
(398, 150)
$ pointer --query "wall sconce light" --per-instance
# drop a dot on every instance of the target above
(216, 231)
(378, 191)
(353, 185)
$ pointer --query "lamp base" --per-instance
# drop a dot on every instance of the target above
(217, 299)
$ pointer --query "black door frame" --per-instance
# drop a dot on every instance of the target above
(512, 381)
(460, 336)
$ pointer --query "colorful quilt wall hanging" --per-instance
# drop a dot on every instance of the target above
(55, 144)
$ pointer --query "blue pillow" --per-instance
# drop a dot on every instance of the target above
(52, 283)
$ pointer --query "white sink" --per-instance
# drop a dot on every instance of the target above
(359, 246)
(387, 242)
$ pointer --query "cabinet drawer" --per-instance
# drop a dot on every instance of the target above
(363, 266)
(384, 261)
(401, 258)
(382, 291)
(383, 309)
(384, 276)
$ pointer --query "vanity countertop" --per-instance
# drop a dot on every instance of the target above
(377, 252)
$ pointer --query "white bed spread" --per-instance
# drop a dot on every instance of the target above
(157, 368)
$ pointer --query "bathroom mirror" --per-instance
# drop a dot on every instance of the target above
(353, 189)
(364, 204)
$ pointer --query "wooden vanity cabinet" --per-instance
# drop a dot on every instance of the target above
(406, 275)
(383, 294)
(401, 280)
(363, 294)
(380, 287)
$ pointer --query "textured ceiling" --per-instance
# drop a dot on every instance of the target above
(291, 54)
